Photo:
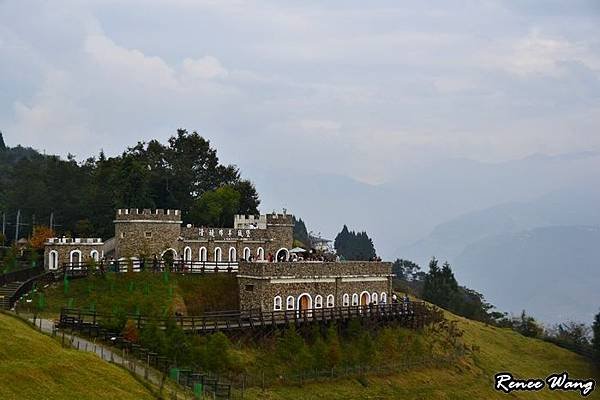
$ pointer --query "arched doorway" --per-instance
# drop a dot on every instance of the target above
(218, 254)
(202, 253)
(169, 256)
(260, 254)
(247, 253)
(232, 254)
(282, 255)
(365, 299)
(304, 302)
(75, 257)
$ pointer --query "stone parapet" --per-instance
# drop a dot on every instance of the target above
(315, 269)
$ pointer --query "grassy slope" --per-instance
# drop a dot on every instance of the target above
(34, 366)
(472, 378)
(147, 292)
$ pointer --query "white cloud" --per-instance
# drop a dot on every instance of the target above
(207, 67)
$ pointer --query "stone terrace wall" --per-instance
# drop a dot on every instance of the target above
(312, 269)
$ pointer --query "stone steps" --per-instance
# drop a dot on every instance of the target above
(7, 291)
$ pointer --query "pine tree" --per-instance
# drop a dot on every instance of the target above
(596, 339)
(2, 144)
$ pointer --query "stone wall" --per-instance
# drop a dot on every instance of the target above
(260, 283)
(64, 247)
(145, 233)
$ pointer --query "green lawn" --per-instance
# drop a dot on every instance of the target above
(472, 378)
(146, 293)
(35, 366)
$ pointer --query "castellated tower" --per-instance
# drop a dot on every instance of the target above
(281, 230)
(144, 233)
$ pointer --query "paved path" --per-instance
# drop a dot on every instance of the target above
(104, 352)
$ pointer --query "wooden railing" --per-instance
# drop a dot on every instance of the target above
(414, 314)
(134, 265)
(20, 275)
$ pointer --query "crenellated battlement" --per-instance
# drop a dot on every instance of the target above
(66, 240)
(279, 219)
(127, 214)
(250, 221)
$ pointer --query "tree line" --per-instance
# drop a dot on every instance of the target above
(440, 287)
(185, 173)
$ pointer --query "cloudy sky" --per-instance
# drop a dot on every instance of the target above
(354, 88)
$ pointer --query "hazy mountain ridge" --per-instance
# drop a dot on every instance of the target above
(552, 272)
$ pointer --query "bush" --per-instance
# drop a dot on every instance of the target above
(130, 331)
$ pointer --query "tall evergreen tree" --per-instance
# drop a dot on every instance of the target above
(354, 246)
(596, 338)
(300, 232)
(2, 144)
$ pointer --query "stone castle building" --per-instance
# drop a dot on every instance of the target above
(245, 248)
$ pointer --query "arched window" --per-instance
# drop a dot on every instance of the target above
(374, 298)
(330, 301)
(202, 253)
(260, 254)
(247, 253)
(75, 257)
(318, 301)
(355, 299)
(232, 254)
(289, 303)
(277, 303)
(53, 259)
(187, 254)
(218, 254)
(94, 255)
(383, 298)
(346, 300)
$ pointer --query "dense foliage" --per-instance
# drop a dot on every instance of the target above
(185, 174)
(356, 246)
(291, 352)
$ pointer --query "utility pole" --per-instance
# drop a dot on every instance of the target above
(3, 227)
(51, 219)
(17, 225)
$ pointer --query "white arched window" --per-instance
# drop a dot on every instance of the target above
(277, 303)
(94, 255)
(187, 254)
(355, 299)
(374, 298)
(75, 257)
(247, 253)
(260, 254)
(383, 298)
(318, 301)
(330, 301)
(232, 254)
(346, 300)
(218, 254)
(202, 254)
(289, 303)
(53, 259)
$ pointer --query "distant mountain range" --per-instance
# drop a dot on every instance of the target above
(473, 214)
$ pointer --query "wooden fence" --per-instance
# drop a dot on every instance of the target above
(410, 314)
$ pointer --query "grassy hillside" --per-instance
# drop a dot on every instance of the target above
(148, 293)
(34, 366)
(498, 350)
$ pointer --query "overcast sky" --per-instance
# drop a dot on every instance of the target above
(352, 87)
